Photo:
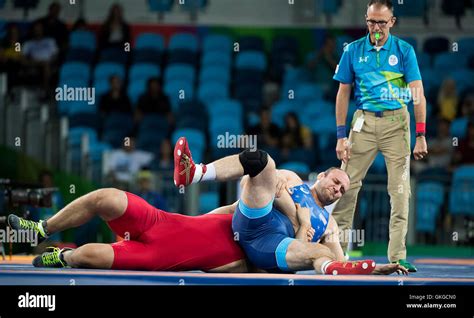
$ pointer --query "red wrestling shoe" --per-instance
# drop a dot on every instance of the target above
(365, 267)
(184, 166)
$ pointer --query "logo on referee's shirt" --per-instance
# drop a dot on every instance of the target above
(393, 60)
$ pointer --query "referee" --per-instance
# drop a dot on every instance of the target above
(386, 79)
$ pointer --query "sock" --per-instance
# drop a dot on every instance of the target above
(61, 256)
(210, 173)
(324, 266)
(204, 173)
(42, 229)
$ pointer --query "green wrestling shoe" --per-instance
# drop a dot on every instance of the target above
(411, 268)
(20, 224)
(52, 259)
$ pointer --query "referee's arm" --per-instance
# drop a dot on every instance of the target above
(342, 104)
(419, 102)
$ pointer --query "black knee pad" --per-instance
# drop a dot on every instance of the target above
(253, 161)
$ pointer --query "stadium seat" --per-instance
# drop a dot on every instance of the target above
(135, 89)
(178, 91)
(153, 41)
(458, 127)
(184, 41)
(296, 166)
(80, 55)
(280, 109)
(450, 61)
(461, 198)
(114, 55)
(250, 43)
(74, 70)
(209, 92)
(436, 45)
(179, 72)
(147, 56)
(251, 60)
(217, 42)
(143, 71)
(103, 71)
(216, 58)
(82, 40)
(214, 73)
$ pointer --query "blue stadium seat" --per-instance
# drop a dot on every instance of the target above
(192, 5)
(184, 41)
(307, 92)
(103, 71)
(464, 80)
(225, 108)
(81, 107)
(143, 71)
(432, 78)
(82, 39)
(461, 198)
(116, 127)
(74, 70)
(280, 109)
(208, 201)
(152, 41)
(426, 216)
(250, 95)
(216, 58)
(214, 73)
(458, 127)
(101, 87)
(160, 5)
(296, 166)
(466, 44)
(84, 119)
(449, 61)
(179, 72)
(76, 134)
(312, 112)
(114, 55)
(179, 91)
(135, 89)
(248, 76)
(217, 42)
(431, 191)
(251, 60)
(209, 92)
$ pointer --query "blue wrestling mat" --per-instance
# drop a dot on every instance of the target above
(431, 271)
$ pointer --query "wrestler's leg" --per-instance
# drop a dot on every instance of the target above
(109, 204)
(304, 256)
(93, 255)
(330, 239)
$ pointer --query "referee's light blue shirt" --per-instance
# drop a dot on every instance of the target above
(381, 77)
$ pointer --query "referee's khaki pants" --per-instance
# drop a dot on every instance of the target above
(389, 134)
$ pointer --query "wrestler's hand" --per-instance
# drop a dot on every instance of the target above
(309, 234)
(387, 269)
(282, 185)
(303, 215)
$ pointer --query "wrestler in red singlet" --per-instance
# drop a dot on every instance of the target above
(163, 241)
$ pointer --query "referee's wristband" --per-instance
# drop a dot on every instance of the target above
(420, 128)
(341, 131)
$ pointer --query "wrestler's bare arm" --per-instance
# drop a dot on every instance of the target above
(226, 209)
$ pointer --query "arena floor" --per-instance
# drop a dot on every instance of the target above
(431, 271)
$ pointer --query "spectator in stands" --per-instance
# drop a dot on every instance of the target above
(448, 99)
(115, 100)
(465, 152)
(54, 28)
(122, 165)
(40, 54)
(115, 31)
(145, 190)
(324, 62)
(10, 55)
(165, 162)
(441, 153)
(268, 133)
(154, 101)
(295, 135)
(467, 106)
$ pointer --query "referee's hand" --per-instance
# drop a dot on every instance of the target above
(421, 149)
(343, 150)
